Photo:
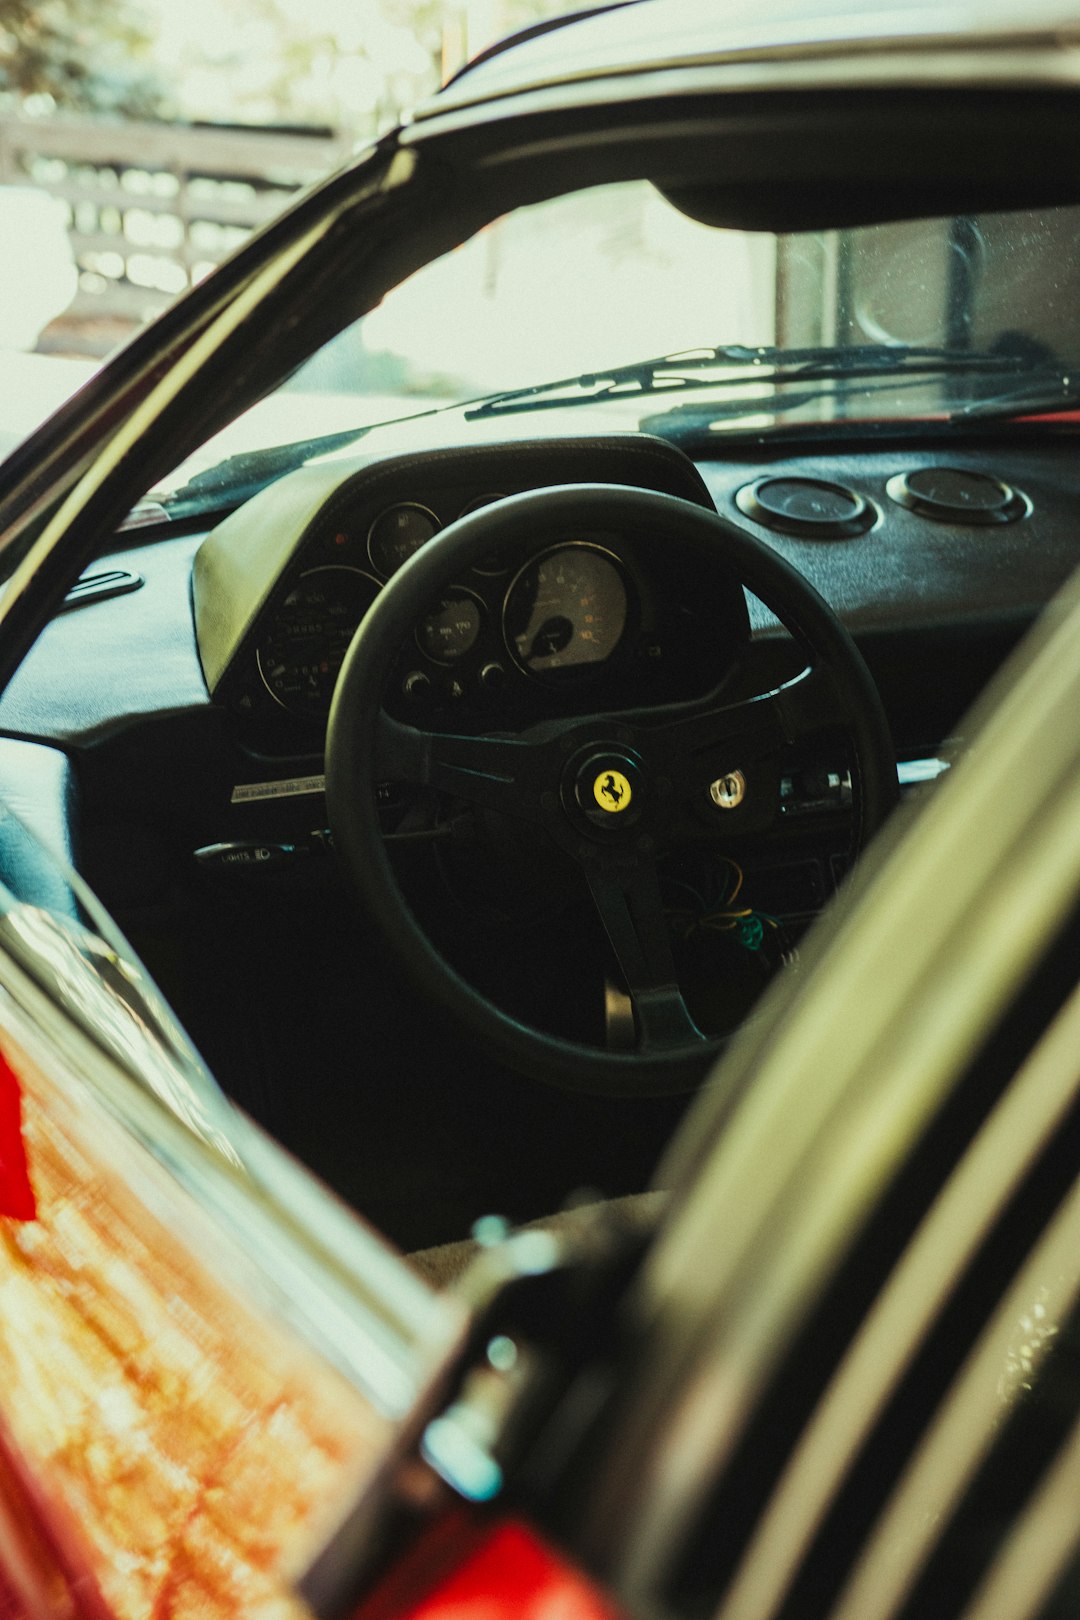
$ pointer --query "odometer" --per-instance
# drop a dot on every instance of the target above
(566, 609)
(302, 652)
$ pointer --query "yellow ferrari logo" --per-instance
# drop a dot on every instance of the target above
(611, 791)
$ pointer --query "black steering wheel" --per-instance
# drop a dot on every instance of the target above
(609, 790)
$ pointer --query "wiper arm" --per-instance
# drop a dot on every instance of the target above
(240, 476)
(244, 474)
(757, 364)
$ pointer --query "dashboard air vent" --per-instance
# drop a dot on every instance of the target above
(810, 507)
(958, 495)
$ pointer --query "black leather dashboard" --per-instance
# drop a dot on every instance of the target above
(933, 605)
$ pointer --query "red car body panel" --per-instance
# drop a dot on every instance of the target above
(489, 1570)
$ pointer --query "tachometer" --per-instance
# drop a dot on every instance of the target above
(565, 609)
(303, 649)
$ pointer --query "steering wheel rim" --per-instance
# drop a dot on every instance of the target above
(359, 734)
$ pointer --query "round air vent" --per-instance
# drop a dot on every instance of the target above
(958, 495)
(810, 507)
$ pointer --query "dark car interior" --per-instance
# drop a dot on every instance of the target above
(232, 895)
(181, 698)
(473, 776)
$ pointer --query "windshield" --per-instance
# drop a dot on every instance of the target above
(616, 299)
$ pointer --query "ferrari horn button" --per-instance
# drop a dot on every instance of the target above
(612, 792)
(609, 790)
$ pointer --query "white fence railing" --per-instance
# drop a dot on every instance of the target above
(151, 207)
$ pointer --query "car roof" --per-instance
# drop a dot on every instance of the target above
(640, 36)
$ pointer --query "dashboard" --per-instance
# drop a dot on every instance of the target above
(934, 602)
(198, 713)
(188, 716)
(936, 565)
(560, 615)
(591, 619)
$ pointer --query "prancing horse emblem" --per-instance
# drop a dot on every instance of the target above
(611, 791)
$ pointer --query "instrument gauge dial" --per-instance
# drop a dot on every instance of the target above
(451, 627)
(567, 609)
(397, 534)
(304, 647)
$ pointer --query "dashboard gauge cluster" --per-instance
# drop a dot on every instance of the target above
(562, 616)
(303, 645)
(565, 617)
(589, 620)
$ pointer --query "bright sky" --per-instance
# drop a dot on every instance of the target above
(225, 57)
(223, 52)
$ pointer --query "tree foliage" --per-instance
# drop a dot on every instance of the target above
(90, 55)
(345, 63)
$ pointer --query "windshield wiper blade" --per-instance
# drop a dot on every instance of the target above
(245, 473)
(754, 365)
(1034, 399)
(740, 410)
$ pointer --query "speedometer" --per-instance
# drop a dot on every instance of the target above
(302, 652)
(565, 609)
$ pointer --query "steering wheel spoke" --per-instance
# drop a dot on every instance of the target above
(504, 774)
(810, 703)
(626, 893)
(723, 759)
(757, 725)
